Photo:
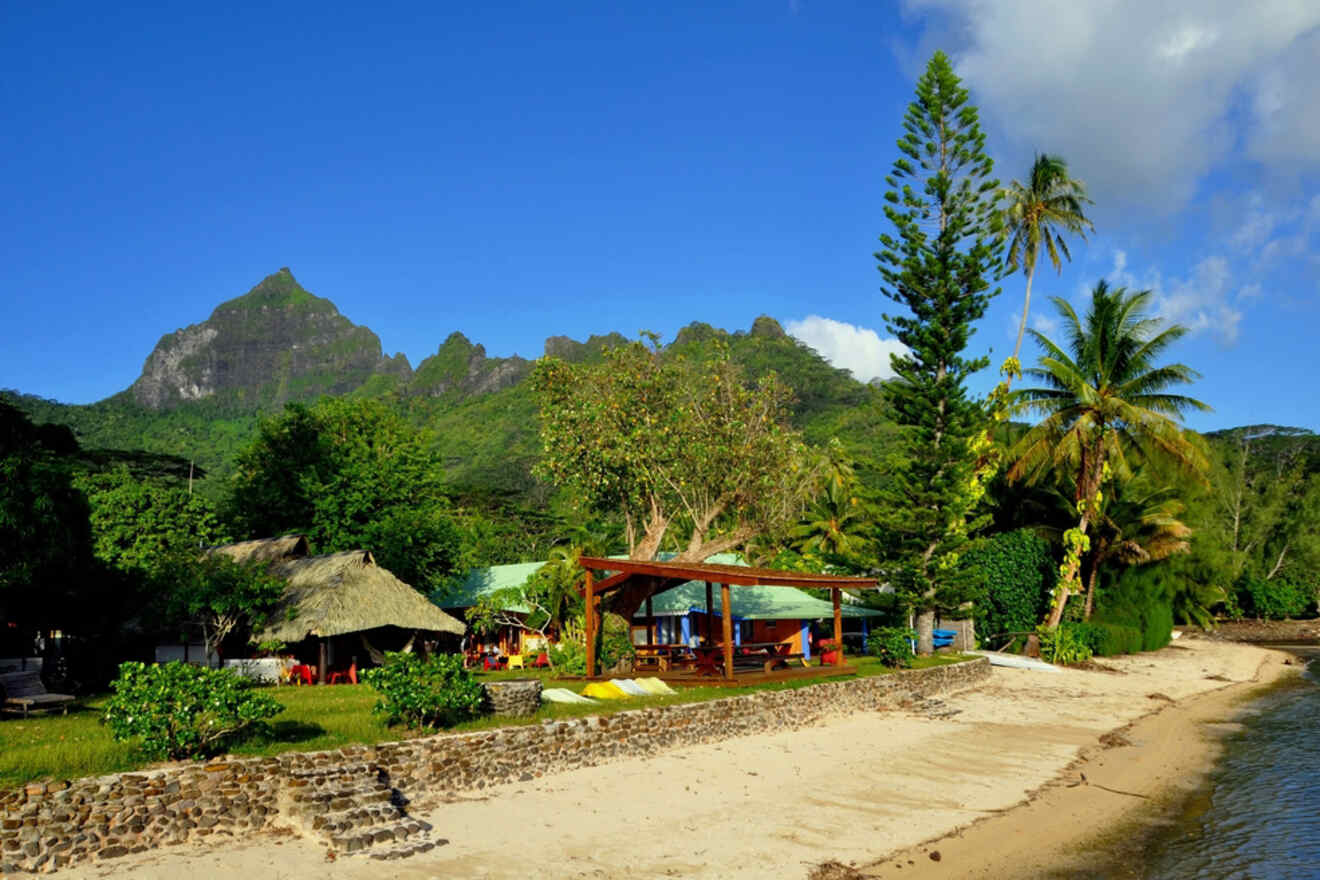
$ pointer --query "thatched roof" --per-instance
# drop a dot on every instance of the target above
(348, 592)
(265, 549)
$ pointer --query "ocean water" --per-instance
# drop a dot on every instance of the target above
(1259, 817)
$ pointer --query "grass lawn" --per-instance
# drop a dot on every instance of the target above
(314, 718)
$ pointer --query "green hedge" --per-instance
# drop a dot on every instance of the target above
(1014, 573)
(1141, 598)
(1107, 639)
(1275, 599)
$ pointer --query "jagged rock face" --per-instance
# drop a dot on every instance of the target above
(461, 367)
(275, 343)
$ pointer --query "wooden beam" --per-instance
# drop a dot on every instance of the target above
(710, 618)
(727, 574)
(650, 622)
(725, 608)
(589, 588)
(838, 624)
(320, 667)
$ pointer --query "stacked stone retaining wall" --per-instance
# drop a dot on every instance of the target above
(46, 826)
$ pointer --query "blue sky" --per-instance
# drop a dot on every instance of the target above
(515, 171)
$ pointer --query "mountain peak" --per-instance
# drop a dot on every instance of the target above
(277, 342)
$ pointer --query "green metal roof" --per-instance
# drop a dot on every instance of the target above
(752, 603)
(749, 603)
(484, 581)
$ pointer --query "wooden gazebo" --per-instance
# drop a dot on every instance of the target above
(634, 582)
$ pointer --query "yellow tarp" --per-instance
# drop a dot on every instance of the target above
(604, 690)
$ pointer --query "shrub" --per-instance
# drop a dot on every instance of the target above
(615, 643)
(1142, 598)
(433, 692)
(1274, 599)
(891, 645)
(569, 657)
(1107, 639)
(1062, 646)
(178, 710)
(1016, 573)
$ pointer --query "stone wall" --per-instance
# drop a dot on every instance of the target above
(47, 826)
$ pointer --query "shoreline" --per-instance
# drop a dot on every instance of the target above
(1100, 814)
(854, 789)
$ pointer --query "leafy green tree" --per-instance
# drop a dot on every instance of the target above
(681, 450)
(1260, 515)
(1136, 524)
(1036, 214)
(547, 601)
(218, 596)
(937, 266)
(350, 473)
(1106, 408)
(140, 525)
(45, 537)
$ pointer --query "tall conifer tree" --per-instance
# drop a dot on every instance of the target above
(937, 265)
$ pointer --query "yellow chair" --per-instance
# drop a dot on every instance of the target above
(516, 661)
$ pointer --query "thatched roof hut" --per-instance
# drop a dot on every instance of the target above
(346, 593)
(265, 549)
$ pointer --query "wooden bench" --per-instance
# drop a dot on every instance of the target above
(25, 691)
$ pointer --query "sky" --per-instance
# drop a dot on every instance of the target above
(516, 171)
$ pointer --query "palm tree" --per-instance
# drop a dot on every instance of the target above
(1106, 406)
(1037, 213)
(1137, 525)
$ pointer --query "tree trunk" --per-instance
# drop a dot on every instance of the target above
(1091, 571)
(1069, 576)
(926, 632)
(1022, 327)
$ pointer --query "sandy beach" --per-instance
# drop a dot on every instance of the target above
(989, 778)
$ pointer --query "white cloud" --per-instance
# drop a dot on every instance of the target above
(1204, 302)
(847, 346)
(1141, 97)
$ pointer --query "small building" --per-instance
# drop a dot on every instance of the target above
(342, 608)
(680, 614)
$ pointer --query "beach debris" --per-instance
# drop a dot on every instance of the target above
(1114, 739)
(935, 855)
(1159, 696)
(833, 870)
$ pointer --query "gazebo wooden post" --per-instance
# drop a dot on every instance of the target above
(838, 625)
(320, 666)
(710, 619)
(591, 625)
(650, 622)
(725, 608)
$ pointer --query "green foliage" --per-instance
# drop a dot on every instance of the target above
(666, 441)
(937, 267)
(891, 645)
(569, 657)
(433, 692)
(1141, 597)
(350, 473)
(1015, 575)
(1062, 645)
(550, 597)
(1279, 598)
(615, 643)
(45, 540)
(139, 525)
(217, 594)
(1106, 639)
(177, 710)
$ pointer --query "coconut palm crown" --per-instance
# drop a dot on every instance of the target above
(1038, 213)
(1106, 402)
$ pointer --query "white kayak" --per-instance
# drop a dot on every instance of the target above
(1016, 661)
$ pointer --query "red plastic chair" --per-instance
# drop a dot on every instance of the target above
(349, 674)
(542, 661)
